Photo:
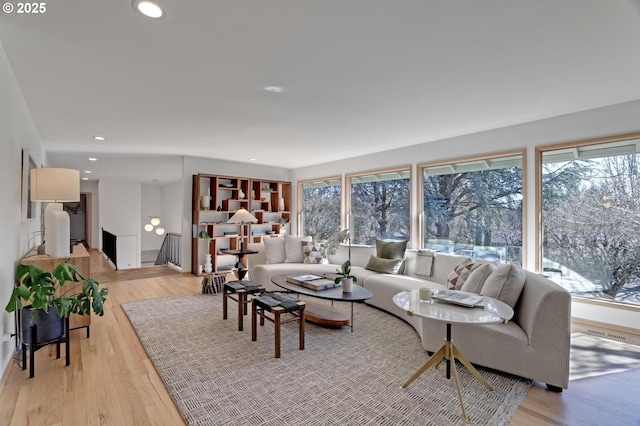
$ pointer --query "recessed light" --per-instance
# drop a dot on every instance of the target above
(93, 159)
(252, 159)
(100, 138)
(85, 178)
(87, 171)
(274, 89)
(149, 8)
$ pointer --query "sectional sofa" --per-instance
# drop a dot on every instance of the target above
(534, 344)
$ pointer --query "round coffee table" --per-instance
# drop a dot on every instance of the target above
(321, 314)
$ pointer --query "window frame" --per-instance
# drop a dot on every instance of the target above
(347, 195)
(539, 151)
(299, 200)
(474, 158)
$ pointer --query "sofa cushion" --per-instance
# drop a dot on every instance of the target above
(312, 252)
(477, 278)
(505, 284)
(460, 273)
(392, 249)
(274, 249)
(293, 248)
(385, 266)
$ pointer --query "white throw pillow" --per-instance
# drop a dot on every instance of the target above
(274, 248)
(293, 248)
(505, 284)
(477, 278)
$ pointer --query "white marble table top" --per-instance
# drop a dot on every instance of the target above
(493, 311)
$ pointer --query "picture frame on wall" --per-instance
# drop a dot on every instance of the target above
(28, 206)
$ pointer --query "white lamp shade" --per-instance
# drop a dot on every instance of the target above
(160, 231)
(55, 185)
(243, 216)
(148, 227)
(155, 221)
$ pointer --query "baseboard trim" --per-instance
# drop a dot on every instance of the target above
(606, 331)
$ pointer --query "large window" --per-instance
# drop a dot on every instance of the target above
(380, 206)
(320, 201)
(591, 219)
(474, 207)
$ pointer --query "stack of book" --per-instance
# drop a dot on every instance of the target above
(314, 282)
(462, 298)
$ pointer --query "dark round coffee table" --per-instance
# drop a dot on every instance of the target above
(322, 314)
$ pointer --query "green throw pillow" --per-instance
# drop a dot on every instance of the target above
(385, 266)
(392, 249)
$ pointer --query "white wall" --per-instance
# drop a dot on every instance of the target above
(613, 120)
(151, 206)
(17, 132)
(120, 212)
(172, 195)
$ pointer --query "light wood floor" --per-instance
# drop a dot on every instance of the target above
(112, 382)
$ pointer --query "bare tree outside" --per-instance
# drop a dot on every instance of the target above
(380, 207)
(476, 213)
(321, 209)
(591, 226)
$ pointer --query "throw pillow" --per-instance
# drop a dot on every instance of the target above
(477, 278)
(505, 284)
(274, 249)
(312, 252)
(392, 249)
(293, 248)
(460, 273)
(385, 266)
(388, 249)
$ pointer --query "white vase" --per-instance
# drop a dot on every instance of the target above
(346, 285)
(205, 202)
(241, 194)
(208, 267)
(281, 204)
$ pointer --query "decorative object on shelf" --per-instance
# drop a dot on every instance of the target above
(241, 194)
(281, 204)
(204, 235)
(253, 194)
(345, 277)
(242, 217)
(55, 186)
(201, 268)
(219, 208)
(208, 266)
(155, 221)
(205, 202)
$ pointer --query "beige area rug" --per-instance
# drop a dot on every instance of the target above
(595, 356)
(217, 376)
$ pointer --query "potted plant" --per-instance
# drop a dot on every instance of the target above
(41, 291)
(345, 277)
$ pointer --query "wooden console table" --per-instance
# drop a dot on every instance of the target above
(80, 258)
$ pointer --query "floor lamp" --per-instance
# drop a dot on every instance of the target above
(56, 186)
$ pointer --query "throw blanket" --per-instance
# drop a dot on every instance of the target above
(424, 262)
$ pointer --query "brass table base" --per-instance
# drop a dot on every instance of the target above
(450, 353)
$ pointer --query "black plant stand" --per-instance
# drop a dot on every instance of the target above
(33, 347)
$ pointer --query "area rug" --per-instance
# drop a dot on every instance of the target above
(217, 376)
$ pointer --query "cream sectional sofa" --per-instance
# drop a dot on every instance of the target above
(534, 344)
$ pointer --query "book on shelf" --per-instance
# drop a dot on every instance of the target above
(462, 298)
(312, 281)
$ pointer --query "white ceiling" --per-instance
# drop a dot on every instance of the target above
(360, 76)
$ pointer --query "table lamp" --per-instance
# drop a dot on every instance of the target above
(55, 186)
(242, 217)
